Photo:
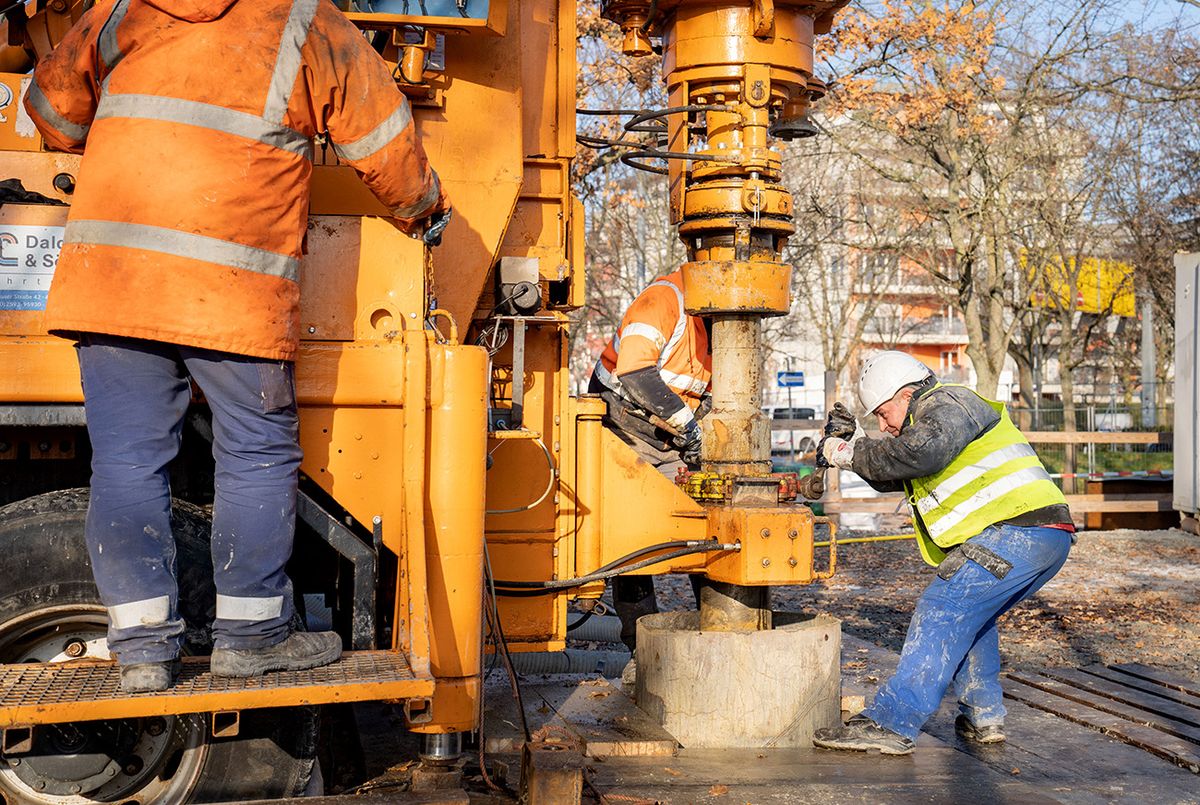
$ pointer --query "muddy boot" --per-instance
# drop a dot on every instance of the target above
(299, 651)
(990, 734)
(862, 734)
(629, 676)
(633, 597)
(147, 677)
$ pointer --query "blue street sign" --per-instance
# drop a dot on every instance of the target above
(789, 379)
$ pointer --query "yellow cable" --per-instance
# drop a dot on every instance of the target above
(888, 538)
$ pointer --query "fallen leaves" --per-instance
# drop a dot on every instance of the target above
(1093, 611)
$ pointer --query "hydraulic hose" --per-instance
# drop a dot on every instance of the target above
(542, 587)
(545, 494)
(629, 557)
(640, 552)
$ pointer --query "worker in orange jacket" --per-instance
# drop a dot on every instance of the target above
(196, 120)
(656, 375)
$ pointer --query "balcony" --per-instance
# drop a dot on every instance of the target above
(913, 330)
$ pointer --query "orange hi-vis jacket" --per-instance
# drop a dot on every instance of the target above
(657, 331)
(196, 119)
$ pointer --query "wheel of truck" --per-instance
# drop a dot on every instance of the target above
(50, 611)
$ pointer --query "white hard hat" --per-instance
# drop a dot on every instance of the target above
(885, 374)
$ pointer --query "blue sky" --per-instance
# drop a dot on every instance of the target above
(1158, 13)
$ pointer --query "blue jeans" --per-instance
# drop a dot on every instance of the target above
(952, 636)
(136, 394)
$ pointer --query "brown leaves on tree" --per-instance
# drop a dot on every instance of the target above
(913, 61)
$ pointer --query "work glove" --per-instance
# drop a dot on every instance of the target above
(435, 225)
(836, 452)
(430, 225)
(705, 405)
(689, 444)
(840, 422)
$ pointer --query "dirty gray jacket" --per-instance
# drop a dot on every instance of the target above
(944, 421)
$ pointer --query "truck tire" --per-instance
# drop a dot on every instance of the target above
(50, 611)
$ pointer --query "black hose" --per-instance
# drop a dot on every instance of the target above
(542, 587)
(640, 552)
(500, 643)
(629, 557)
(582, 620)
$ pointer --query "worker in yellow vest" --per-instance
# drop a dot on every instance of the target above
(986, 515)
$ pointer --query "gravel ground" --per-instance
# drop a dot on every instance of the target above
(1123, 596)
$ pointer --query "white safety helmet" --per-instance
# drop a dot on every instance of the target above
(885, 374)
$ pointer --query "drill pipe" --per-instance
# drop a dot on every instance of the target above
(736, 432)
(737, 441)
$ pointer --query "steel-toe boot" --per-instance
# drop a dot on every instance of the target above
(146, 677)
(861, 734)
(989, 734)
(300, 650)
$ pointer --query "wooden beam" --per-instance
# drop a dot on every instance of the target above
(797, 424)
(895, 504)
(1034, 436)
(1097, 437)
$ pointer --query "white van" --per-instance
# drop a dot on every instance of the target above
(787, 442)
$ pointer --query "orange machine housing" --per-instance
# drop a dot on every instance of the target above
(394, 396)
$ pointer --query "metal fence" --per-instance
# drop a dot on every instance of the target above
(1100, 417)
(1124, 454)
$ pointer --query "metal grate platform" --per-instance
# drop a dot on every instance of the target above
(87, 690)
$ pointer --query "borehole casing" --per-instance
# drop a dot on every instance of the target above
(761, 688)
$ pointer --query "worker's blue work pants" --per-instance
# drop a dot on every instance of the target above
(135, 395)
(952, 636)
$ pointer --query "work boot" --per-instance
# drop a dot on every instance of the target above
(862, 734)
(990, 734)
(148, 677)
(300, 650)
(629, 675)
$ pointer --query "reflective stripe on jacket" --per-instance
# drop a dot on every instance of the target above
(657, 331)
(995, 478)
(196, 119)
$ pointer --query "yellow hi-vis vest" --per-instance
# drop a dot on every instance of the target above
(995, 478)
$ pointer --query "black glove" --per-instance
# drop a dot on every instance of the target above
(705, 405)
(840, 423)
(689, 444)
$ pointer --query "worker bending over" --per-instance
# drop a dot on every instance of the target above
(656, 375)
(180, 264)
(987, 515)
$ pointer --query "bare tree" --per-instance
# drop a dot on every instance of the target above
(959, 101)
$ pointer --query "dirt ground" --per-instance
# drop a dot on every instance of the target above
(1123, 596)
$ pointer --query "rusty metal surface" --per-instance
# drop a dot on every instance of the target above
(737, 287)
(390, 795)
(736, 432)
(552, 768)
(85, 691)
(728, 607)
(715, 487)
(776, 545)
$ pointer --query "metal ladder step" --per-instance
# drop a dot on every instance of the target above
(89, 690)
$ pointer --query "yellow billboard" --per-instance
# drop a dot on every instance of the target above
(1099, 286)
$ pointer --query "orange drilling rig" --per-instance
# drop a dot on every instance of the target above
(455, 496)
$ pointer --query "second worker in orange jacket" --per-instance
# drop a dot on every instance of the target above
(655, 375)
